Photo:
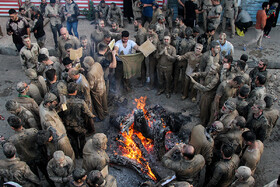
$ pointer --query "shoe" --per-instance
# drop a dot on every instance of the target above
(260, 48)
(183, 97)
(268, 36)
(160, 92)
(168, 95)
(232, 36)
(148, 79)
(244, 47)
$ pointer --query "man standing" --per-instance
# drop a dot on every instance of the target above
(37, 86)
(38, 26)
(257, 122)
(228, 113)
(87, 48)
(208, 88)
(50, 120)
(95, 77)
(230, 12)
(153, 37)
(83, 86)
(46, 63)
(260, 24)
(244, 177)
(270, 112)
(260, 69)
(252, 154)
(166, 55)
(191, 11)
(259, 92)
(226, 46)
(108, 64)
(141, 37)
(16, 170)
(202, 142)
(60, 169)
(25, 141)
(210, 57)
(98, 34)
(26, 117)
(52, 12)
(188, 166)
(123, 46)
(66, 38)
(147, 12)
(225, 90)
(17, 27)
(224, 170)
(25, 100)
(71, 13)
(95, 156)
(191, 59)
(29, 54)
(74, 119)
(214, 16)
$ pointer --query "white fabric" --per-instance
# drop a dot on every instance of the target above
(227, 47)
(128, 49)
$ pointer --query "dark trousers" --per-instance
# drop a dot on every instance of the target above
(180, 67)
(42, 166)
(56, 29)
(100, 105)
(120, 81)
(243, 26)
(268, 26)
(77, 140)
(152, 67)
(19, 46)
(188, 89)
(189, 22)
(164, 79)
(146, 19)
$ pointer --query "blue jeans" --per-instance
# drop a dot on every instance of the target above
(73, 25)
(175, 12)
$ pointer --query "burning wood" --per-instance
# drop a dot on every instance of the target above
(142, 137)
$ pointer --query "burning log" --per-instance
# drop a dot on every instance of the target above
(123, 161)
(141, 125)
(160, 132)
(126, 123)
(144, 151)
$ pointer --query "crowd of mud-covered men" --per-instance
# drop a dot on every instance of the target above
(55, 111)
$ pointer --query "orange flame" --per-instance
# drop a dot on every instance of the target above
(131, 150)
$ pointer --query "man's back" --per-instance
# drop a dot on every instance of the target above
(224, 172)
(25, 143)
(261, 19)
(18, 171)
(186, 170)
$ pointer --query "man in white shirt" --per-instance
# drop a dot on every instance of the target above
(123, 47)
(226, 47)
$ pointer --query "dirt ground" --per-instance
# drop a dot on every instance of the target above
(268, 168)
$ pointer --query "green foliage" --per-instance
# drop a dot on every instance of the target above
(89, 13)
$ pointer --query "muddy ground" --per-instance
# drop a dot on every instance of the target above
(268, 169)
